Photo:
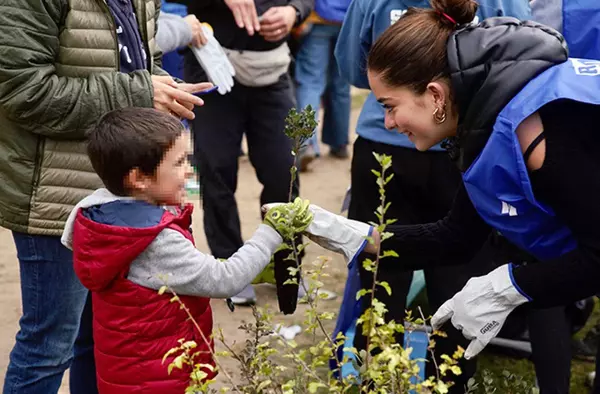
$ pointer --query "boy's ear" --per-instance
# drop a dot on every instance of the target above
(136, 181)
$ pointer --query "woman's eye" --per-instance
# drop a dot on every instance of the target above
(388, 108)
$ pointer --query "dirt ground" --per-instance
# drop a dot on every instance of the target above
(325, 185)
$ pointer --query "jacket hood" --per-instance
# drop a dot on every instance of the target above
(489, 63)
(104, 252)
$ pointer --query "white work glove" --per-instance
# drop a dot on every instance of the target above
(334, 232)
(480, 309)
(215, 62)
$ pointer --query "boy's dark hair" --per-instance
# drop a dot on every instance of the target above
(128, 138)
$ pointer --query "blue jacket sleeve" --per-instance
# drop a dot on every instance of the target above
(353, 44)
(519, 9)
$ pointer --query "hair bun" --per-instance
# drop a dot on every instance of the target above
(462, 11)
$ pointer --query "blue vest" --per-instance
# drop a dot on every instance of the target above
(498, 183)
(581, 28)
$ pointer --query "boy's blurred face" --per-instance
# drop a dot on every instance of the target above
(167, 187)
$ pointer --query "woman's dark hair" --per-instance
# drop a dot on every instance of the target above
(130, 138)
(412, 52)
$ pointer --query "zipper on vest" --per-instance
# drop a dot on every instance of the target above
(39, 159)
(113, 30)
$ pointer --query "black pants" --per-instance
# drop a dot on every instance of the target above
(217, 130)
(549, 329)
(550, 336)
(421, 191)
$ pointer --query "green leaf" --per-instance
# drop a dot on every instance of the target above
(368, 265)
(387, 287)
(264, 384)
(327, 315)
(390, 253)
(314, 386)
(386, 235)
(361, 293)
(167, 354)
(178, 362)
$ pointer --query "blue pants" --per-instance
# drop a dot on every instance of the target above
(56, 326)
(317, 75)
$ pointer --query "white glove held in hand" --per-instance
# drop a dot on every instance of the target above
(480, 309)
(334, 232)
(215, 62)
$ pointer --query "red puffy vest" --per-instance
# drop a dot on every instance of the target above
(134, 326)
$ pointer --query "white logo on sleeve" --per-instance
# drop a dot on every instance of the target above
(508, 209)
(395, 15)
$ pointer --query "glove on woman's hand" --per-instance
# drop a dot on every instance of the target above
(480, 309)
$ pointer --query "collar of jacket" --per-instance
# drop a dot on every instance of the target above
(489, 63)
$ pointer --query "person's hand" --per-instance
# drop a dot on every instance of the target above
(244, 13)
(277, 22)
(198, 38)
(214, 61)
(177, 98)
(334, 232)
(480, 309)
(289, 219)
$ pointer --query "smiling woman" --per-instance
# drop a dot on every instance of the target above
(423, 184)
(520, 117)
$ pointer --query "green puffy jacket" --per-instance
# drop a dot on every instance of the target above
(59, 67)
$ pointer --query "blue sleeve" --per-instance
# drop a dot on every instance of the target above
(353, 44)
(519, 9)
(548, 12)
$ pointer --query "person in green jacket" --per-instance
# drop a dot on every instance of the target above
(63, 64)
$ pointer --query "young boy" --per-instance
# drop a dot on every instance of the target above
(127, 236)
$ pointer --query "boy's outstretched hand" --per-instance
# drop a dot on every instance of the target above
(289, 219)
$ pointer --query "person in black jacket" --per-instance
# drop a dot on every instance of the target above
(519, 119)
(254, 34)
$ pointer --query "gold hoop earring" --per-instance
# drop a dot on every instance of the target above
(439, 115)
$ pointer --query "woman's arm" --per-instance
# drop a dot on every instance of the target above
(454, 239)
